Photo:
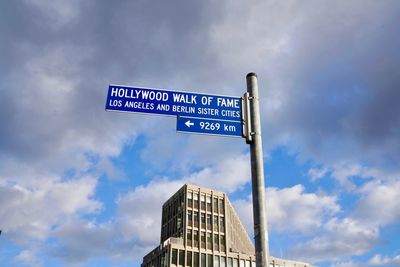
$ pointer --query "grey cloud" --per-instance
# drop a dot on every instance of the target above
(338, 102)
(327, 73)
(329, 107)
(56, 79)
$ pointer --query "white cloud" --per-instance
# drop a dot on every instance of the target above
(378, 204)
(291, 209)
(339, 239)
(139, 211)
(31, 212)
(227, 175)
(141, 208)
(343, 172)
(376, 260)
(348, 173)
(359, 232)
(347, 264)
(78, 242)
(51, 207)
(183, 152)
(28, 258)
(317, 173)
(379, 260)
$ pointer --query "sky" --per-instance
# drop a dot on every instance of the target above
(80, 186)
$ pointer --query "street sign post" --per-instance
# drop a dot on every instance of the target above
(257, 172)
(207, 126)
(215, 115)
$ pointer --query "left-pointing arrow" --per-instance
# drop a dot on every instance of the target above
(189, 123)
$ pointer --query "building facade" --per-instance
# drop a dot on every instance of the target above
(200, 228)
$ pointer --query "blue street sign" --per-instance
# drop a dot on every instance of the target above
(206, 126)
(164, 102)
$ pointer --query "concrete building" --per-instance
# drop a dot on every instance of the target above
(200, 228)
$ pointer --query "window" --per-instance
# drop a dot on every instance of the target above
(247, 263)
(203, 239)
(209, 221)
(209, 241)
(181, 258)
(165, 259)
(216, 261)
(222, 243)
(189, 237)
(230, 262)
(215, 223)
(210, 260)
(165, 209)
(221, 224)
(203, 260)
(221, 206)
(196, 200)
(174, 256)
(208, 200)
(253, 264)
(175, 206)
(241, 263)
(215, 204)
(235, 262)
(196, 218)
(223, 263)
(216, 242)
(163, 219)
(190, 217)
(179, 222)
(203, 202)
(203, 220)
(190, 199)
(196, 238)
(189, 259)
(196, 259)
(181, 202)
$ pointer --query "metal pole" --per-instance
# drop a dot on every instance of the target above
(257, 175)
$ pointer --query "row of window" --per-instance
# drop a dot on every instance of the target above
(173, 227)
(206, 221)
(195, 259)
(161, 260)
(172, 207)
(205, 202)
(205, 240)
